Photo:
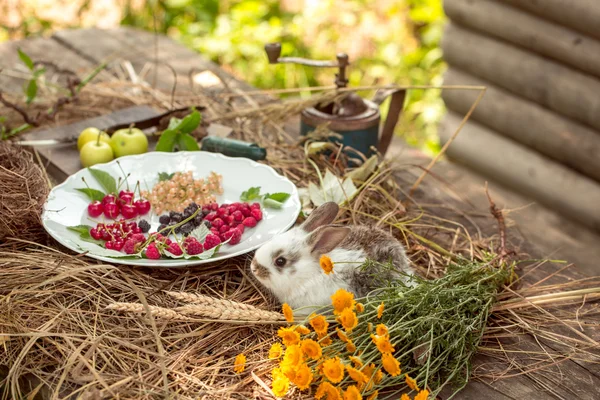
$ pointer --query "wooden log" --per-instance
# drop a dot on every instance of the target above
(524, 170)
(562, 89)
(580, 15)
(521, 28)
(560, 138)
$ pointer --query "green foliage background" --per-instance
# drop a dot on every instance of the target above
(388, 41)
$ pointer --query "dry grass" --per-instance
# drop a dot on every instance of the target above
(59, 335)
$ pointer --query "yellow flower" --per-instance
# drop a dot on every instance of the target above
(360, 307)
(368, 370)
(301, 329)
(404, 397)
(390, 364)
(342, 300)
(275, 351)
(373, 396)
(384, 345)
(291, 359)
(240, 363)
(356, 361)
(382, 330)
(327, 389)
(342, 335)
(304, 377)
(356, 375)
(325, 341)
(380, 310)
(348, 319)
(350, 347)
(280, 386)
(276, 372)
(378, 376)
(311, 348)
(287, 312)
(411, 383)
(352, 393)
(333, 369)
(289, 336)
(422, 395)
(370, 327)
(326, 264)
(319, 323)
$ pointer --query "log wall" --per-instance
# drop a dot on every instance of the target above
(537, 129)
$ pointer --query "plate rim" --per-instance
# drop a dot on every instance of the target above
(177, 263)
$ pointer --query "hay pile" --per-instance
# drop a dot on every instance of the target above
(61, 333)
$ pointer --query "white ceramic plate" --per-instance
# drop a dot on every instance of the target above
(67, 207)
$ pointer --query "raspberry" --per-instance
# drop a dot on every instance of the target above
(214, 206)
(211, 241)
(224, 228)
(250, 222)
(230, 219)
(215, 231)
(218, 223)
(255, 206)
(138, 238)
(236, 236)
(129, 246)
(210, 216)
(144, 225)
(223, 212)
(246, 211)
(194, 247)
(257, 214)
(152, 252)
(238, 216)
(175, 249)
(240, 228)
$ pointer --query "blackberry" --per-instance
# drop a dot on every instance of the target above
(207, 224)
(144, 226)
(172, 213)
(186, 214)
(161, 227)
(186, 229)
(178, 229)
(164, 219)
(176, 217)
(197, 220)
(206, 212)
(191, 208)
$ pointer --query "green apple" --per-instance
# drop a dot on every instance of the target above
(128, 141)
(89, 135)
(95, 153)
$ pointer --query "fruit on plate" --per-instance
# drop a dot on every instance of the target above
(128, 141)
(97, 152)
(91, 135)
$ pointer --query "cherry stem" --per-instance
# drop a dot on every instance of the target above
(137, 188)
(123, 172)
(121, 182)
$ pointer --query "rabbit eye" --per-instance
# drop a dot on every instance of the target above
(280, 261)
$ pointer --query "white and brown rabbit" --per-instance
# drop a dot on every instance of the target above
(288, 265)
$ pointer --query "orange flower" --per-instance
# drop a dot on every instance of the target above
(326, 341)
(352, 393)
(380, 310)
(368, 370)
(303, 378)
(333, 369)
(373, 396)
(378, 376)
(348, 319)
(341, 335)
(381, 330)
(311, 348)
(350, 347)
(384, 345)
(342, 300)
(301, 329)
(319, 323)
(291, 359)
(288, 336)
(326, 264)
(356, 361)
(275, 351)
(327, 389)
(390, 364)
(287, 312)
(280, 386)
(360, 307)
(411, 383)
(356, 375)
(422, 395)
(240, 363)
(404, 397)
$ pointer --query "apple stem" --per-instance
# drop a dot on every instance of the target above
(123, 172)
(98, 139)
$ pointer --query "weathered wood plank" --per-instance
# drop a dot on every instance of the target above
(523, 29)
(524, 170)
(560, 138)
(528, 75)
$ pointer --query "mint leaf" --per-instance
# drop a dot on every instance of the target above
(250, 194)
(105, 180)
(163, 176)
(166, 142)
(189, 123)
(31, 91)
(270, 203)
(80, 229)
(279, 197)
(26, 59)
(187, 142)
(93, 194)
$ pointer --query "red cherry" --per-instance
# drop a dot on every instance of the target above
(126, 199)
(136, 230)
(143, 206)
(125, 193)
(129, 211)
(109, 198)
(95, 209)
(111, 210)
(109, 244)
(95, 234)
(118, 245)
(105, 235)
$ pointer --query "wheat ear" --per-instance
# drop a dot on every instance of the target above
(160, 312)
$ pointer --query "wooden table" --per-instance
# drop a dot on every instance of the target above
(541, 231)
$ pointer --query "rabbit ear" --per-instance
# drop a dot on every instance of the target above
(322, 215)
(325, 239)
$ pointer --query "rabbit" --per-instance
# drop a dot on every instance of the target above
(288, 265)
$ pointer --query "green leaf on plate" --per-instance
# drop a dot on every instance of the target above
(80, 229)
(270, 203)
(250, 194)
(190, 122)
(280, 197)
(187, 142)
(105, 180)
(167, 139)
(26, 59)
(31, 91)
(163, 176)
(200, 233)
(93, 194)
